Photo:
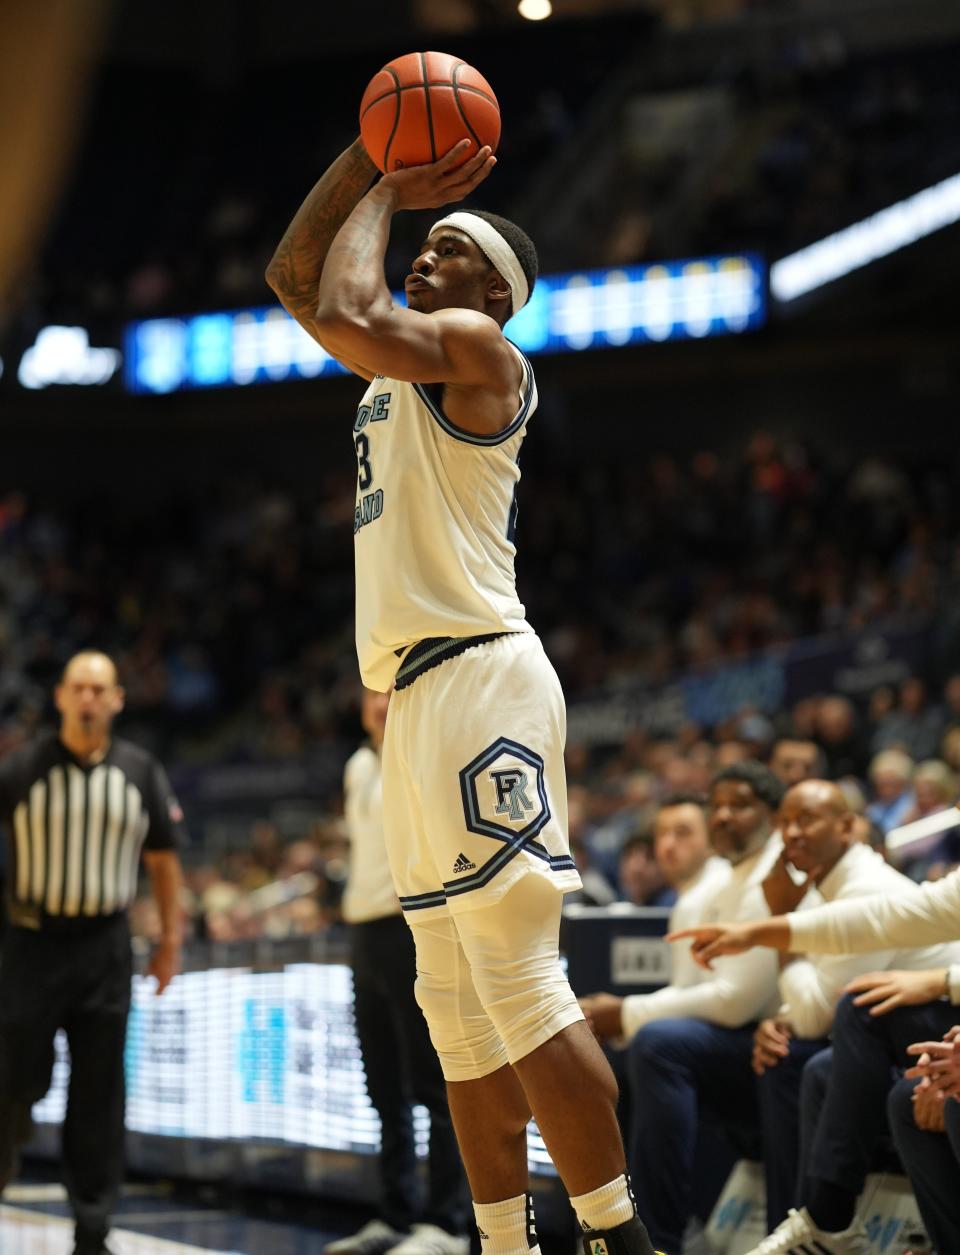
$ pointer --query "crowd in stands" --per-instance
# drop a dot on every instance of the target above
(835, 142)
(711, 559)
(815, 138)
(614, 797)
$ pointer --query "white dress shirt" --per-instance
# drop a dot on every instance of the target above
(811, 987)
(738, 990)
(916, 916)
(693, 901)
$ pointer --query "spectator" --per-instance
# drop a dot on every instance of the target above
(793, 760)
(642, 881)
(836, 730)
(914, 726)
(951, 703)
(689, 1045)
(926, 1102)
(682, 845)
(935, 790)
(891, 774)
(872, 1032)
(816, 824)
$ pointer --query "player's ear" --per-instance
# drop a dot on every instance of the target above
(497, 287)
(119, 697)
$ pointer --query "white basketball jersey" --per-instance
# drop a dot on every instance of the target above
(434, 523)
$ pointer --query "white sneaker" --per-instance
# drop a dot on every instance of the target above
(430, 1239)
(373, 1239)
(798, 1235)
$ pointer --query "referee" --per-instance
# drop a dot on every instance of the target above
(78, 807)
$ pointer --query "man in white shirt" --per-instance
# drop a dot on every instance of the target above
(399, 1061)
(817, 828)
(681, 846)
(689, 1046)
(867, 1046)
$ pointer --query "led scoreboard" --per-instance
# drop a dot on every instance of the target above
(233, 1054)
(588, 309)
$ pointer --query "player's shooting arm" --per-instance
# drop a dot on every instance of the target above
(295, 269)
(356, 316)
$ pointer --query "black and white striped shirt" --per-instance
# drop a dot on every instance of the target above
(75, 832)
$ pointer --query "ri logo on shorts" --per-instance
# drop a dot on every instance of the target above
(511, 786)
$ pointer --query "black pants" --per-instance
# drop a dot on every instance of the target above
(75, 976)
(869, 1051)
(778, 1096)
(932, 1161)
(402, 1069)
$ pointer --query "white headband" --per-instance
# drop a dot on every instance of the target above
(489, 240)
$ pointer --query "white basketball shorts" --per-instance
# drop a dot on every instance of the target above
(474, 787)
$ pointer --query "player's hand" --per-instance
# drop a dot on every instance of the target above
(604, 1015)
(441, 182)
(884, 991)
(781, 891)
(771, 1044)
(928, 1111)
(938, 1064)
(164, 964)
(709, 942)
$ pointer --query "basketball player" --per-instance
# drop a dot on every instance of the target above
(473, 781)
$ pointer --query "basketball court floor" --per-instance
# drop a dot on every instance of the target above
(156, 1220)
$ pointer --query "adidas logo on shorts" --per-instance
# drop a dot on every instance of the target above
(463, 864)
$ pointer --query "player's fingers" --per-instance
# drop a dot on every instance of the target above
(450, 160)
(466, 170)
(461, 184)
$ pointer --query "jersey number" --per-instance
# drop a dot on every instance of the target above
(363, 461)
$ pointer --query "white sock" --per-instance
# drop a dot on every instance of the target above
(507, 1228)
(606, 1207)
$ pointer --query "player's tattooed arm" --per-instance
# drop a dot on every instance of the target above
(357, 316)
(297, 264)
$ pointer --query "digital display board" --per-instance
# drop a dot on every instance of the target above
(231, 1053)
(589, 309)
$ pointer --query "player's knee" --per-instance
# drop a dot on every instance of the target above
(529, 1000)
(467, 1044)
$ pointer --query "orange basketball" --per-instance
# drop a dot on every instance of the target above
(418, 106)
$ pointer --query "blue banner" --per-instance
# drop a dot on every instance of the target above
(588, 309)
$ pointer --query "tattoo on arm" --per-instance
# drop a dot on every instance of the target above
(297, 264)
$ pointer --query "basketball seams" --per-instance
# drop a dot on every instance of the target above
(441, 82)
(425, 83)
(456, 99)
(396, 114)
(452, 101)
